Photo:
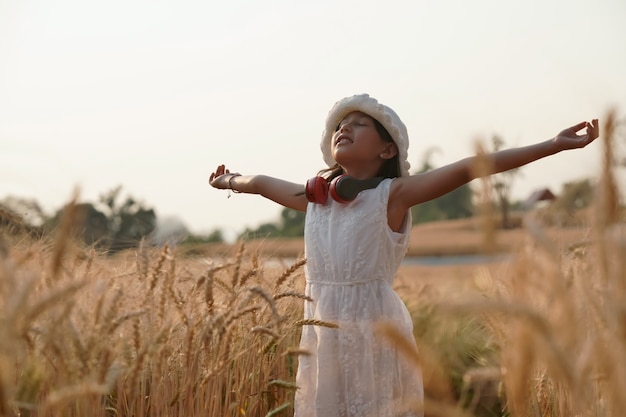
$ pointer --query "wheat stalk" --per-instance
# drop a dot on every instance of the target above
(292, 294)
(314, 322)
(289, 271)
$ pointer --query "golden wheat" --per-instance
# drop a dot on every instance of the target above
(153, 332)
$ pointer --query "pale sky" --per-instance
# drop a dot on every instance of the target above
(152, 95)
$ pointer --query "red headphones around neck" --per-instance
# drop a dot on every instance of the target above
(342, 188)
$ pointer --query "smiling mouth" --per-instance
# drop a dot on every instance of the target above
(342, 139)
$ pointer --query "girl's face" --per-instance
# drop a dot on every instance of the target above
(358, 147)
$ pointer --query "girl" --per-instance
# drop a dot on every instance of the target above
(354, 243)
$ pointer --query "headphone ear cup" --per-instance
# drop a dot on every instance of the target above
(344, 188)
(335, 190)
(316, 190)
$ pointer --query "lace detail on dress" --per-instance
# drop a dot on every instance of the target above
(352, 258)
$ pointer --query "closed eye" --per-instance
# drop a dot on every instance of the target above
(355, 124)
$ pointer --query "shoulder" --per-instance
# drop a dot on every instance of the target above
(396, 208)
(399, 187)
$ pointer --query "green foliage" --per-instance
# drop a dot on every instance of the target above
(14, 224)
(291, 224)
(456, 204)
(463, 345)
(28, 211)
(129, 221)
(115, 226)
(265, 230)
(575, 195)
(215, 236)
(90, 224)
(502, 186)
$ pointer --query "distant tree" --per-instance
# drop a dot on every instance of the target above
(292, 223)
(28, 210)
(502, 186)
(169, 230)
(110, 225)
(13, 223)
(87, 223)
(129, 222)
(575, 195)
(94, 227)
(266, 230)
(216, 236)
(456, 204)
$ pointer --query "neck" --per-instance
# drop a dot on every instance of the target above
(361, 173)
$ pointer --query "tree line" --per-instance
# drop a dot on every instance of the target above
(115, 223)
(112, 223)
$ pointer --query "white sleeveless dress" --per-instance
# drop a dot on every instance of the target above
(352, 259)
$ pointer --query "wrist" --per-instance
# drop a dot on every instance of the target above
(554, 145)
(229, 182)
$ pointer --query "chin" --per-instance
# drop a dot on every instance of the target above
(340, 157)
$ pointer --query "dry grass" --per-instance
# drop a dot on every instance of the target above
(144, 333)
(154, 332)
(555, 314)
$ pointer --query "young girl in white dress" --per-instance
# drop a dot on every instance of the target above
(357, 227)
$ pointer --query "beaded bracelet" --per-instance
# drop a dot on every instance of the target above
(230, 186)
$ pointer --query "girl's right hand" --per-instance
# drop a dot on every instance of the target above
(285, 193)
(219, 178)
(570, 139)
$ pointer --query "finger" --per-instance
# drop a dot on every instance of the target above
(578, 126)
(592, 124)
(596, 128)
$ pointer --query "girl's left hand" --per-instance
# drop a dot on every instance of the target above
(219, 178)
(570, 139)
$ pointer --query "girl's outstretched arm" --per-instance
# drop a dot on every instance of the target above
(415, 189)
(285, 193)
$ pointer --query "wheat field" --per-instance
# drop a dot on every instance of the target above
(159, 332)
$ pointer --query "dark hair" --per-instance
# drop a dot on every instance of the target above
(389, 169)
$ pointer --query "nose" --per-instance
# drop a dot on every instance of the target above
(346, 126)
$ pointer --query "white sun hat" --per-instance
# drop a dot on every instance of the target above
(383, 114)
